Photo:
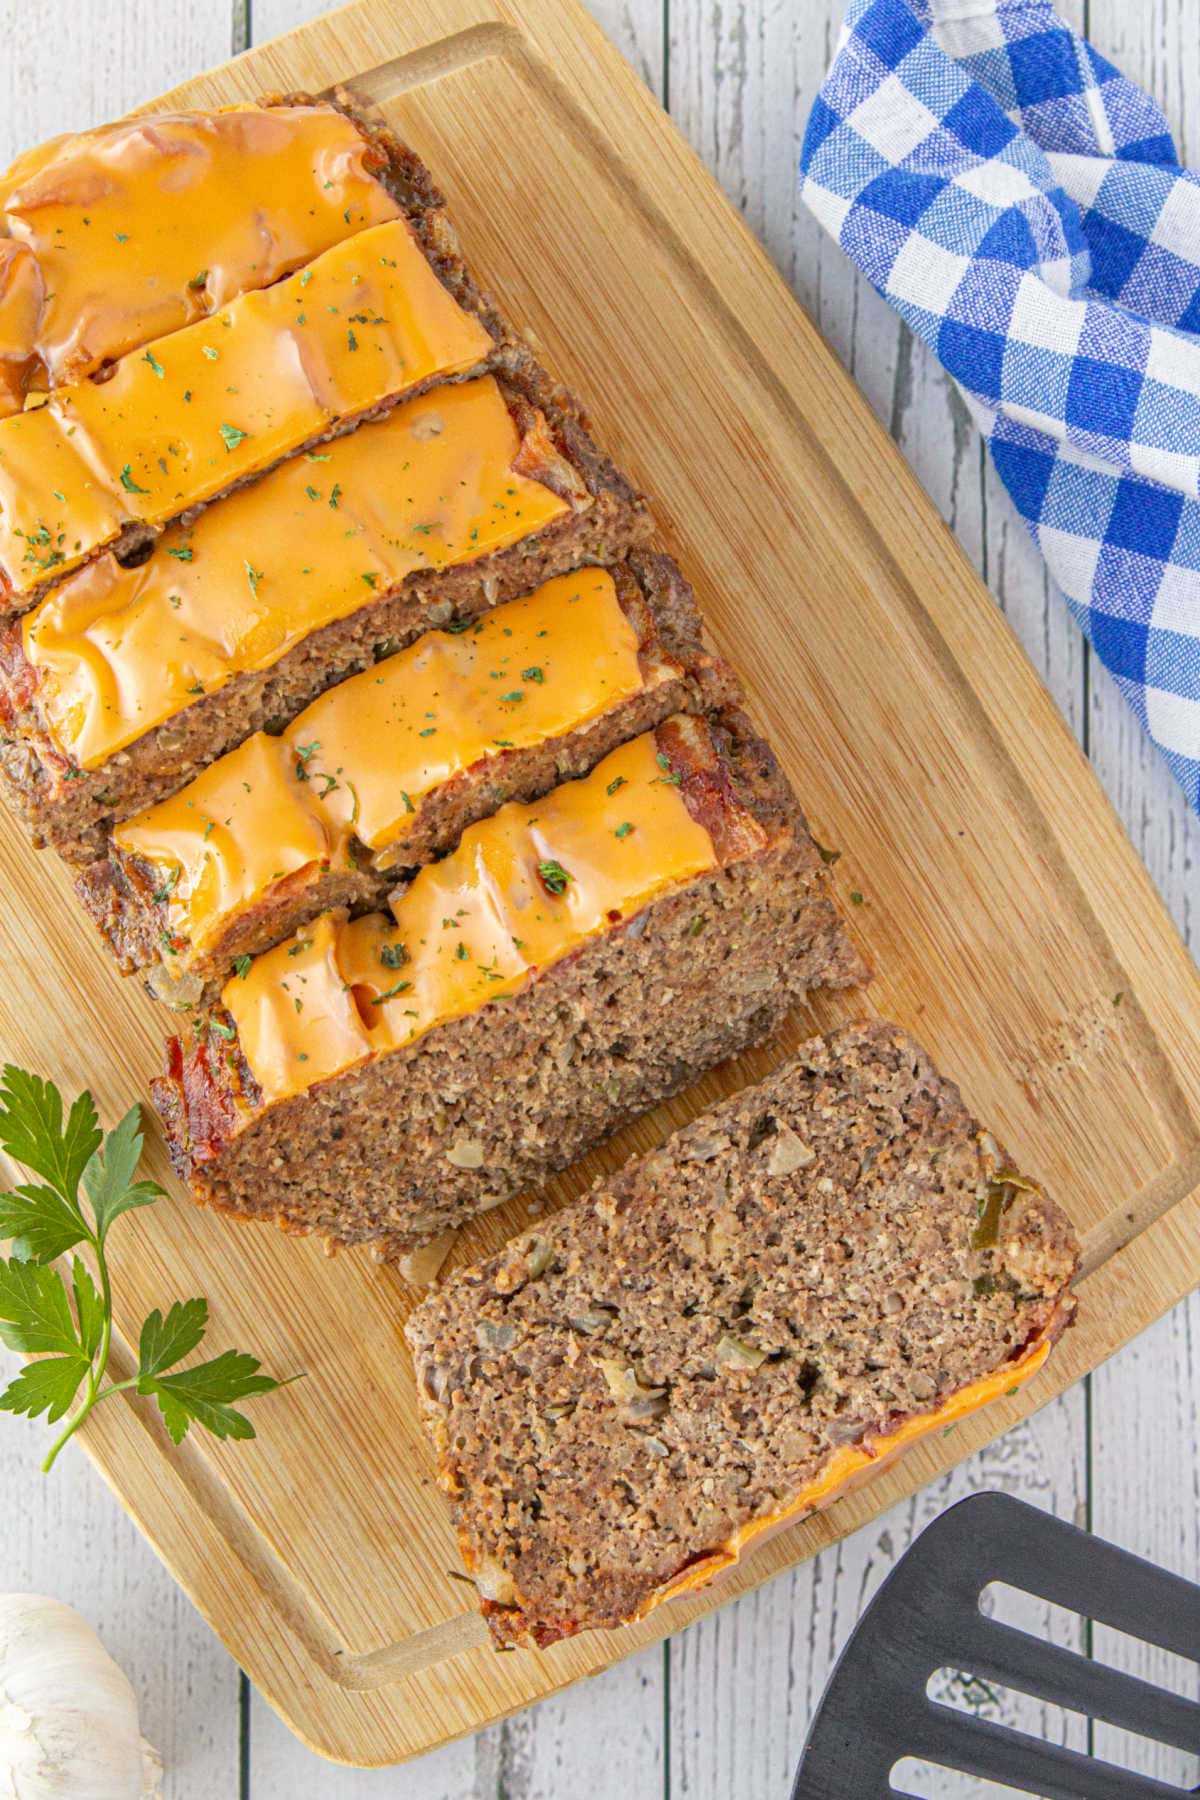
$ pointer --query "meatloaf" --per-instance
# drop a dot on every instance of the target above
(385, 312)
(94, 262)
(385, 771)
(125, 682)
(724, 1334)
(574, 961)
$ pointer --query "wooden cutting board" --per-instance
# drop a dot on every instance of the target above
(1010, 923)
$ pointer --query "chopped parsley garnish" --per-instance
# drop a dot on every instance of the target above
(393, 956)
(515, 695)
(163, 892)
(211, 351)
(534, 674)
(554, 877)
(154, 364)
(183, 555)
(401, 987)
(232, 436)
(614, 785)
(241, 966)
(624, 830)
(253, 576)
(198, 280)
(351, 340)
(668, 775)
(128, 483)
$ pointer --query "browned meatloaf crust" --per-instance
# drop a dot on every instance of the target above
(124, 895)
(73, 809)
(677, 1357)
(533, 1080)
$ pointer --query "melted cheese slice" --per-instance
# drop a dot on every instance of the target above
(224, 399)
(118, 651)
(364, 758)
(20, 307)
(239, 831)
(141, 227)
(522, 890)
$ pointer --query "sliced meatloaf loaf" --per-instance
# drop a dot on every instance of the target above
(387, 770)
(574, 961)
(114, 237)
(724, 1334)
(124, 682)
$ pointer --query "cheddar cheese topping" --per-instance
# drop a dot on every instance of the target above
(118, 651)
(124, 234)
(523, 889)
(225, 398)
(361, 762)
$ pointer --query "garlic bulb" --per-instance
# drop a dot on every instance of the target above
(68, 1716)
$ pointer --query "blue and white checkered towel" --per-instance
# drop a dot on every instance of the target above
(1022, 206)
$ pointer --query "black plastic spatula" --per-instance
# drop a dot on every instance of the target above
(926, 1617)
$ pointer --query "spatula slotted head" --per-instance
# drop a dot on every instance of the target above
(876, 1710)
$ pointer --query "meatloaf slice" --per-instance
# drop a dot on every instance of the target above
(575, 960)
(99, 265)
(386, 771)
(722, 1335)
(125, 682)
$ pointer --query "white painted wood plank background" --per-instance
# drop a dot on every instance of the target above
(719, 1713)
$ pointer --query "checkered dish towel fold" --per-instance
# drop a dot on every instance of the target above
(1022, 206)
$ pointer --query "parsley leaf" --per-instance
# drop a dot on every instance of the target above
(46, 1386)
(68, 1324)
(35, 1314)
(203, 1395)
(108, 1179)
(167, 1341)
(32, 1130)
(41, 1224)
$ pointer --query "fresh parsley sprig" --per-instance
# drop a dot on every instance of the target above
(45, 1219)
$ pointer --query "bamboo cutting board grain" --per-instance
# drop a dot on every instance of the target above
(1011, 925)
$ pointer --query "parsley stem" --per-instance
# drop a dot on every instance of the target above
(70, 1428)
(116, 1387)
(98, 1364)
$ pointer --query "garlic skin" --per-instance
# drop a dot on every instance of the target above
(68, 1715)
